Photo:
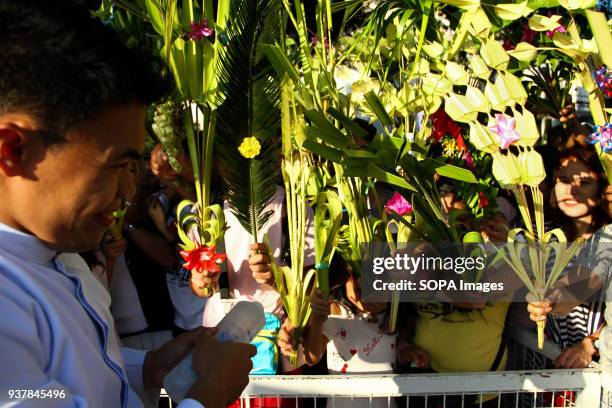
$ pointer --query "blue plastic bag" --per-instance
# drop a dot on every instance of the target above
(265, 362)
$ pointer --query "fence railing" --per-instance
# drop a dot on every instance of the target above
(528, 382)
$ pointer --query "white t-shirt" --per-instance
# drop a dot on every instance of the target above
(188, 307)
(237, 241)
(358, 345)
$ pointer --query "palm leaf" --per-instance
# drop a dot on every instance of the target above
(250, 108)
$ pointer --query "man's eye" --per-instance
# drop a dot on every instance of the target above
(135, 166)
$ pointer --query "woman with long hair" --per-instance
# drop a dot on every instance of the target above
(579, 184)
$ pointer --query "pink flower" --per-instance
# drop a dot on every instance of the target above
(559, 29)
(469, 160)
(315, 40)
(398, 204)
(504, 129)
(200, 30)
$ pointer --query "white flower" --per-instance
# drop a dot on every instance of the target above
(370, 5)
(441, 18)
(345, 77)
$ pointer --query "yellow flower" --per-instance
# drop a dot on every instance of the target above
(249, 147)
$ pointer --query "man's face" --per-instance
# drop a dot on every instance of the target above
(71, 190)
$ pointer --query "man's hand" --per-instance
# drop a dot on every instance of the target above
(204, 284)
(259, 262)
(161, 168)
(159, 362)
(222, 369)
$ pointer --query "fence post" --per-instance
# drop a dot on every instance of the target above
(590, 395)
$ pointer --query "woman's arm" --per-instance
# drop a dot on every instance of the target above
(314, 340)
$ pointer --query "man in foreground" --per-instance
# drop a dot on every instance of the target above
(72, 105)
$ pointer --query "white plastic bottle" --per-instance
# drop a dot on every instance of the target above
(240, 325)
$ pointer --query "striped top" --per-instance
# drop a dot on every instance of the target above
(587, 318)
(580, 322)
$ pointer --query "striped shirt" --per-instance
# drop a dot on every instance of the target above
(588, 317)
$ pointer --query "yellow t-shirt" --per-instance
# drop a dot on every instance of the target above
(461, 341)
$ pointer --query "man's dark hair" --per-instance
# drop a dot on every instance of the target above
(62, 65)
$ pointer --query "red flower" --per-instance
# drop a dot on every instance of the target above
(438, 120)
(528, 34)
(508, 45)
(444, 125)
(203, 259)
(398, 204)
(483, 201)
(460, 143)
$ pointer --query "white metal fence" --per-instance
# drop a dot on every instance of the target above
(606, 390)
(528, 382)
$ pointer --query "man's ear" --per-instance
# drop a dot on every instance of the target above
(11, 149)
(15, 141)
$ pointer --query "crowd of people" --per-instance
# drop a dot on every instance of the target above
(68, 160)
(344, 334)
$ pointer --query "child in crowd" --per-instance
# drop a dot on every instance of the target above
(350, 330)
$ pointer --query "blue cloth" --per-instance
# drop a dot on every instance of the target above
(265, 362)
(57, 332)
